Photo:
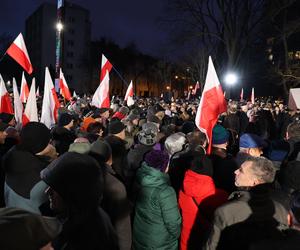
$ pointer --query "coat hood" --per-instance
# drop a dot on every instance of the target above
(151, 177)
(197, 185)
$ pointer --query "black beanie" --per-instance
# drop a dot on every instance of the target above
(115, 127)
(76, 178)
(35, 137)
(64, 119)
(6, 117)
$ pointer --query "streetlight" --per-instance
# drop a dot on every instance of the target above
(59, 26)
(230, 79)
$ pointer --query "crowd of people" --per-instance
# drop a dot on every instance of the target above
(140, 177)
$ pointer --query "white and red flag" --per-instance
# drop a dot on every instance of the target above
(252, 96)
(212, 103)
(129, 94)
(64, 89)
(50, 102)
(5, 103)
(101, 95)
(24, 92)
(242, 95)
(17, 50)
(18, 106)
(197, 86)
(31, 111)
(105, 66)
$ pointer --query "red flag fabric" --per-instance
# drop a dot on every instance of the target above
(101, 95)
(5, 104)
(252, 96)
(24, 89)
(18, 106)
(50, 102)
(64, 89)
(31, 111)
(105, 66)
(242, 95)
(129, 91)
(212, 103)
(18, 52)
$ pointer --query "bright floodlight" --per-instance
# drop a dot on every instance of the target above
(59, 26)
(231, 78)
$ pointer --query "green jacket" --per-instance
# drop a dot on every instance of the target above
(157, 221)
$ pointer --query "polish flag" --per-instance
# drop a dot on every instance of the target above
(105, 66)
(50, 102)
(212, 103)
(18, 52)
(18, 106)
(31, 111)
(24, 89)
(101, 96)
(129, 95)
(5, 104)
(252, 96)
(196, 88)
(64, 89)
(242, 95)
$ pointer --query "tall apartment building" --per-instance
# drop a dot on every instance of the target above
(40, 36)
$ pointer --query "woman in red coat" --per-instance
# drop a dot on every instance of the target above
(197, 201)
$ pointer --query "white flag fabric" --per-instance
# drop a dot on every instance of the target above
(24, 92)
(50, 102)
(18, 106)
(101, 95)
(31, 111)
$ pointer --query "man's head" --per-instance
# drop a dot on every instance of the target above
(294, 213)
(66, 120)
(293, 130)
(255, 171)
(251, 144)
(3, 133)
(117, 128)
(220, 136)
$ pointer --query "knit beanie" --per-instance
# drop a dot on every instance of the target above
(80, 147)
(220, 135)
(21, 229)
(6, 117)
(86, 122)
(115, 127)
(64, 119)
(102, 149)
(157, 159)
(35, 137)
(76, 178)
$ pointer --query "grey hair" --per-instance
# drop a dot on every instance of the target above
(174, 143)
(263, 169)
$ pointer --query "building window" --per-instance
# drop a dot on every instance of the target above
(72, 31)
(69, 77)
(69, 65)
(71, 19)
(70, 54)
(70, 42)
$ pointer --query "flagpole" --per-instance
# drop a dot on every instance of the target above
(2, 57)
(120, 76)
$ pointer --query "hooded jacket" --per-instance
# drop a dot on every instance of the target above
(197, 201)
(157, 220)
(23, 186)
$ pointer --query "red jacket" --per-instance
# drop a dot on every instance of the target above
(203, 190)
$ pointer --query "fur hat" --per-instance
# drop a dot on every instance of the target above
(157, 159)
(35, 137)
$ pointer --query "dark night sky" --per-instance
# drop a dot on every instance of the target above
(121, 21)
